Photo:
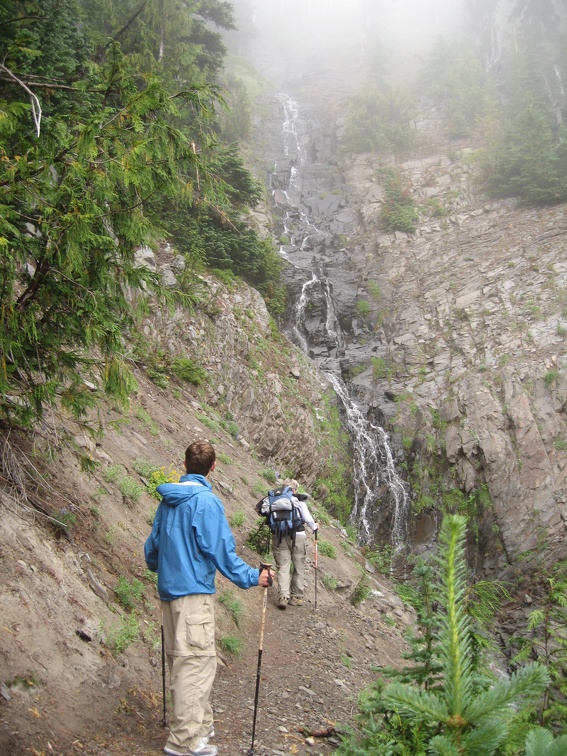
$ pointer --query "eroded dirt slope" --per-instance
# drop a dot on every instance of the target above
(62, 690)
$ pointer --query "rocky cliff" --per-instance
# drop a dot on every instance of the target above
(452, 337)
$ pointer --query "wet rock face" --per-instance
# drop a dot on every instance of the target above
(455, 333)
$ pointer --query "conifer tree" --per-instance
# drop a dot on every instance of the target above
(446, 702)
(471, 717)
(77, 174)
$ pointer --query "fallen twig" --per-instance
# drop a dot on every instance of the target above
(326, 732)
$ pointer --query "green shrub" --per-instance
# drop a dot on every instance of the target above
(347, 549)
(334, 486)
(329, 581)
(152, 635)
(326, 548)
(374, 290)
(129, 591)
(259, 538)
(186, 370)
(24, 682)
(540, 742)
(65, 518)
(381, 558)
(151, 577)
(551, 377)
(231, 428)
(356, 370)
(363, 308)
(120, 634)
(226, 277)
(259, 490)
(233, 605)
(238, 519)
(320, 515)
(130, 489)
(154, 476)
(232, 644)
(145, 418)
(362, 591)
(158, 377)
(269, 475)
(209, 423)
(346, 661)
(110, 535)
(546, 640)
(114, 473)
(399, 211)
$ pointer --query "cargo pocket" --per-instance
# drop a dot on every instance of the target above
(200, 629)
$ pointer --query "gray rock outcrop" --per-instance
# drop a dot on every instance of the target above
(453, 335)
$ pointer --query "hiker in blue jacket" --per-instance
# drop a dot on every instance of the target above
(191, 540)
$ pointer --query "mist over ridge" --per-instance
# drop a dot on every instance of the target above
(298, 39)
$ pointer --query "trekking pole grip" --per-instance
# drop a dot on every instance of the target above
(267, 567)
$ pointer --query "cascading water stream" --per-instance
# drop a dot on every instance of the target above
(373, 468)
(299, 314)
(376, 481)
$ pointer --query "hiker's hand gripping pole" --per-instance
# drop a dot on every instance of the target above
(270, 580)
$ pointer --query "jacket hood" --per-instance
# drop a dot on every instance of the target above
(188, 486)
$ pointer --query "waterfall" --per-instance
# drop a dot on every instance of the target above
(373, 468)
(297, 325)
(314, 326)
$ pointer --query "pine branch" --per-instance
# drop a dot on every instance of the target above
(421, 703)
(36, 105)
(47, 85)
(530, 681)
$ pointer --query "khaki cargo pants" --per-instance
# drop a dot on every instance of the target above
(189, 639)
(286, 554)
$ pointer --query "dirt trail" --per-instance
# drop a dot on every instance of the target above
(63, 692)
(314, 663)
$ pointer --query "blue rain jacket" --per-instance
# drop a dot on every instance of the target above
(191, 540)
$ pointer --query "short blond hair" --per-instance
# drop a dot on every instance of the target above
(292, 483)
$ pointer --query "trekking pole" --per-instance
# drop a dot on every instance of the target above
(260, 649)
(164, 720)
(315, 565)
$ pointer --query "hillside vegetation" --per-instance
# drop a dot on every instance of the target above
(109, 142)
(137, 306)
(80, 651)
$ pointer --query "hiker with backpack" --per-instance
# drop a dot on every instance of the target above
(191, 540)
(289, 542)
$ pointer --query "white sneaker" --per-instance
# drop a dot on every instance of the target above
(202, 749)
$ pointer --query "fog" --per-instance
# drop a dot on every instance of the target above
(302, 39)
